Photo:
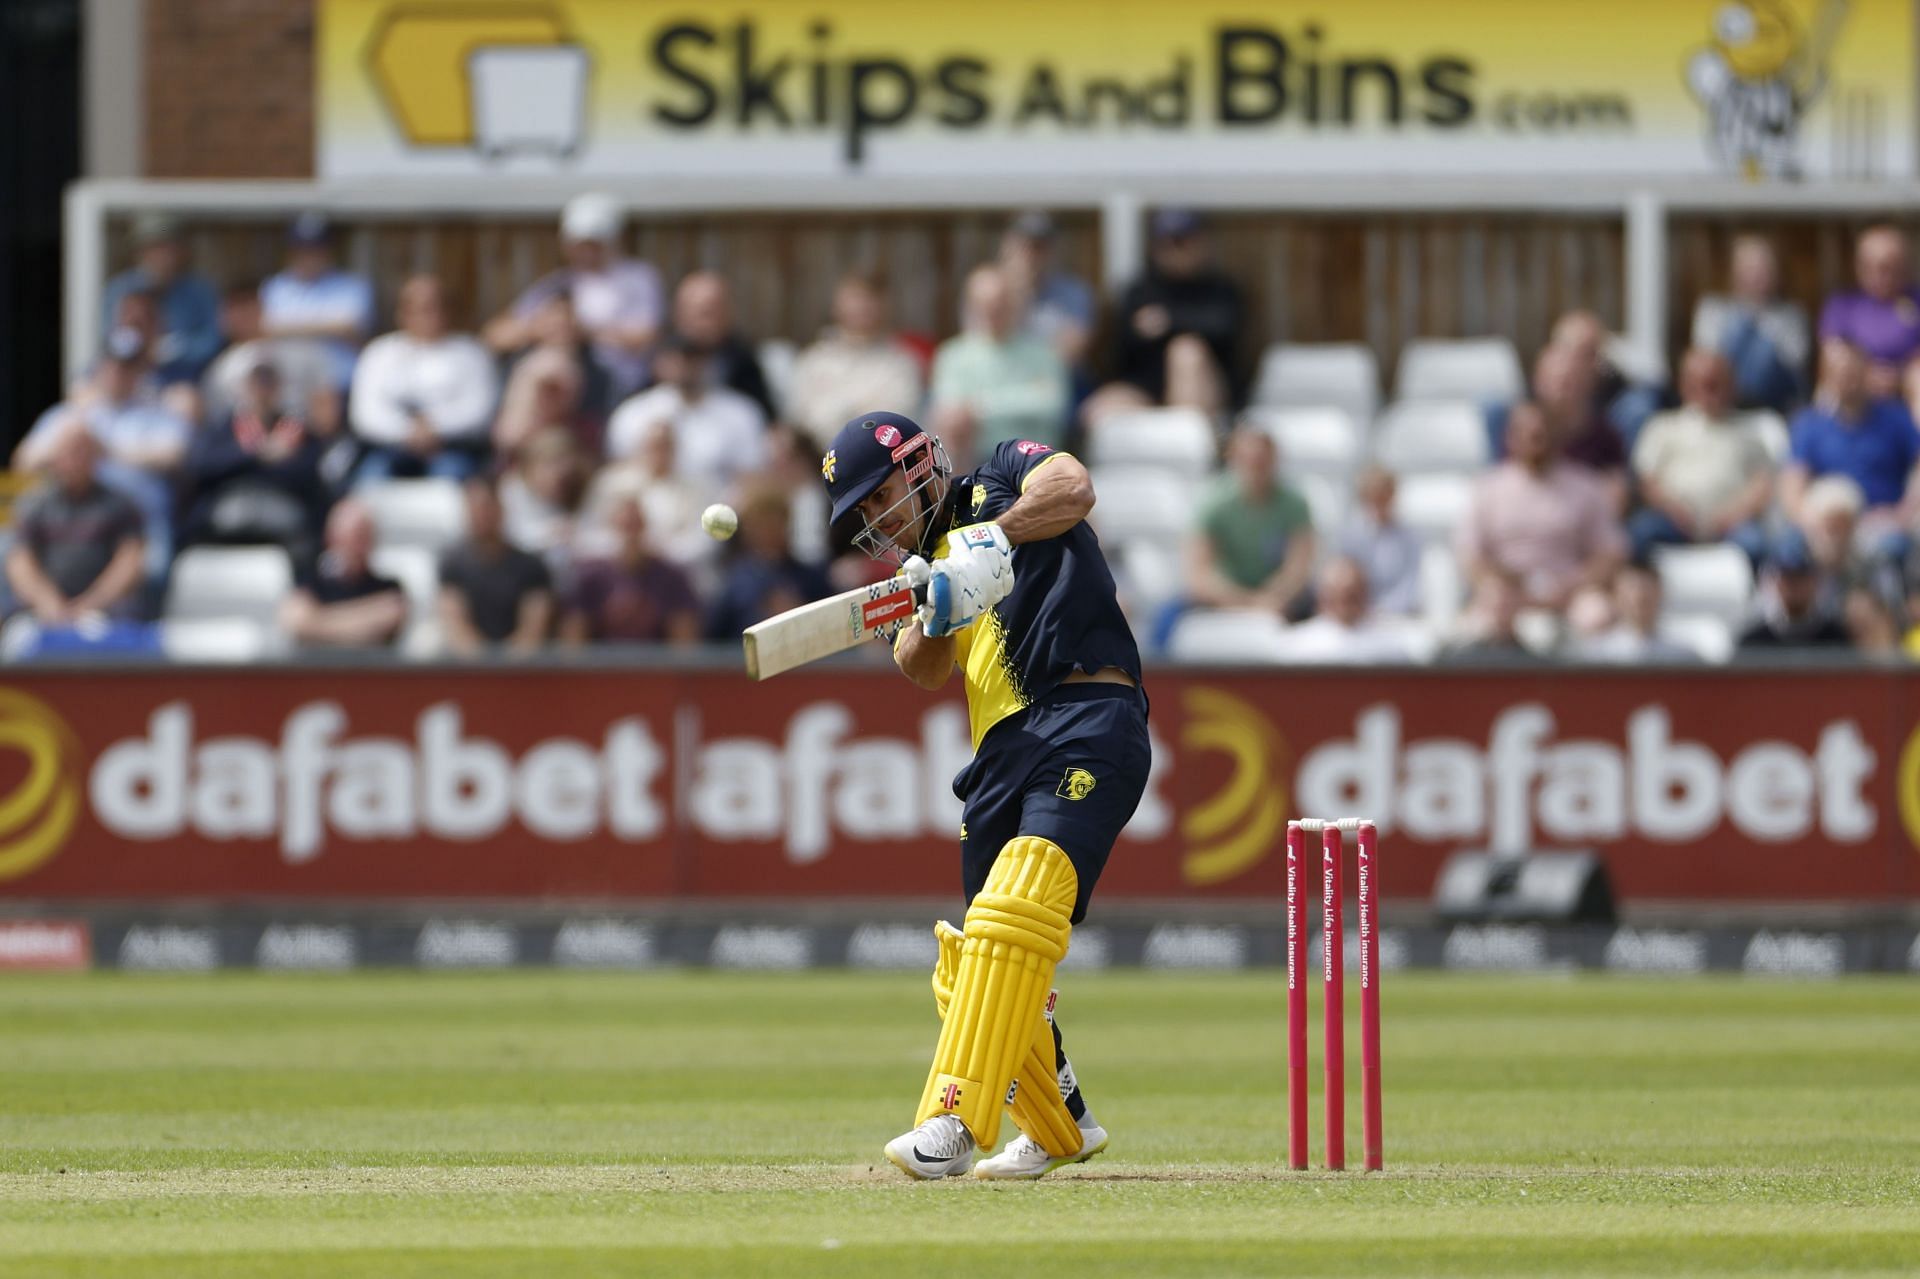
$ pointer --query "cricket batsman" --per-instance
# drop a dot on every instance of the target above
(1020, 601)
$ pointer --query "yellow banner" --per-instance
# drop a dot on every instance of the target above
(994, 88)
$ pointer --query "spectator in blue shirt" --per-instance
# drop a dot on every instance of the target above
(189, 319)
(1872, 441)
(314, 299)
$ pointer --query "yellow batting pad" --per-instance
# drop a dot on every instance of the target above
(1038, 1108)
(1016, 932)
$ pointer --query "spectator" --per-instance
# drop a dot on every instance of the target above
(1254, 545)
(338, 601)
(855, 367)
(1882, 316)
(1541, 521)
(311, 299)
(254, 475)
(423, 396)
(1763, 336)
(540, 494)
(670, 503)
(1179, 328)
(1343, 631)
(305, 370)
(1705, 472)
(1635, 638)
(187, 320)
(143, 442)
(992, 383)
(1058, 306)
(1792, 603)
(491, 592)
(764, 577)
(1871, 625)
(77, 549)
(634, 597)
(1871, 441)
(719, 434)
(1616, 398)
(554, 381)
(703, 315)
(1387, 551)
(1490, 632)
(1564, 387)
(617, 301)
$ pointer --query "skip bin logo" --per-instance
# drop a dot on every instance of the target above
(38, 805)
(499, 79)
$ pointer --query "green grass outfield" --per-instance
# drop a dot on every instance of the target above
(556, 1124)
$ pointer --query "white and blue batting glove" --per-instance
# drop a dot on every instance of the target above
(976, 574)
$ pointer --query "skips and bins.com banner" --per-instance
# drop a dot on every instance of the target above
(533, 784)
(636, 89)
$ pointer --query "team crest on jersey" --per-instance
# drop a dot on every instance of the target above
(979, 497)
(1077, 784)
(1030, 447)
(827, 464)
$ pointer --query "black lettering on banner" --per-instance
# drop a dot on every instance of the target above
(1250, 65)
(821, 74)
(758, 88)
(1351, 74)
(706, 100)
(1449, 83)
(1168, 103)
(866, 115)
(961, 80)
(1310, 72)
(1096, 89)
(1041, 96)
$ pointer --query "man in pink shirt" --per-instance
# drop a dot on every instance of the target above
(1542, 521)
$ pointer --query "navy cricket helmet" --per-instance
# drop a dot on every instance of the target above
(868, 449)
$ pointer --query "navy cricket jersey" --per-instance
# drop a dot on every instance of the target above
(1062, 614)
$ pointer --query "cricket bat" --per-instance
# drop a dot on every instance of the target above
(829, 626)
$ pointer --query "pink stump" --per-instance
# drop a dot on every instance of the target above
(1333, 955)
(1369, 872)
(1296, 1001)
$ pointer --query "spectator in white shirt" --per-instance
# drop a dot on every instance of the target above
(670, 502)
(1705, 472)
(617, 301)
(1343, 631)
(1763, 336)
(305, 369)
(423, 397)
(1388, 550)
(719, 434)
(854, 368)
(313, 299)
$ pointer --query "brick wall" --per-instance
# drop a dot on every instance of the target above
(229, 88)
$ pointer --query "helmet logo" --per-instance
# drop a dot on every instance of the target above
(827, 464)
(887, 434)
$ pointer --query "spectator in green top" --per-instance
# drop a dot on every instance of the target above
(993, 382)
(1254, 545)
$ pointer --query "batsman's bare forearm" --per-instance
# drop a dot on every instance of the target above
(1057, 496)
(923, 659)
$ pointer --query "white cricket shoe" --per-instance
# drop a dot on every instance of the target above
(1025, 1159)
(940, 1147)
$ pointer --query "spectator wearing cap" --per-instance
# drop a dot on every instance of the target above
(1881, 317)
(719, 434)
(338, 601)
(423, 396)
(1705, 472)
(1763, 336)
(993, 382)
(1344, 630)
(1179, 328)
(492, 593)
(1871, 440)
(142, 441)
(313, 299)
(254, 474)
(1795, 602)
(703, 317)
(856, 364)
(1635, 638)
(1253, 543)
(187, 309)
(1057, 306)
(632, 596)
(1541, 522)
(77, 549)
(1387, 551)
(763, 577)
(617, 301)
(304, 368)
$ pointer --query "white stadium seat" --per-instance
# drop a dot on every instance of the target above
(430, 513)
(214, 639)
(1136, 501)
(1329, 500)
(229, 581)
(1433, 506)
(1474, 369)
(1715, 580)
(1705, 634)
(1342, 375)
(1228, 635)
(1178, 439)
(777, 360)
(1774, 433)
(1424, 436)
(1319, 441)
(1150, 574)
(1443, 588)
(417, 570)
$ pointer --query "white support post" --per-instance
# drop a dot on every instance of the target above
(1647, 275)
(84, 265)
(1123, 248)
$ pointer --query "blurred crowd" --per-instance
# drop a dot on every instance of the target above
(553, 459)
